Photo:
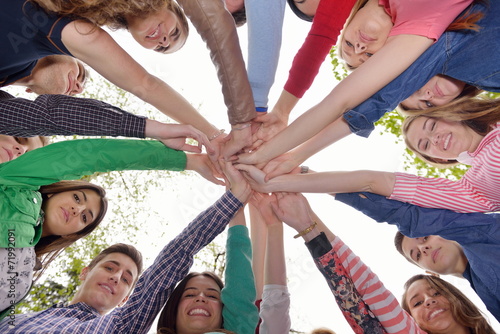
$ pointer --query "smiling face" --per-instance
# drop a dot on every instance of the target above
(435, 254)
(13, 147)
(69, 212)
(57, 74)
(441, 139)
(108, 284)
(200, 307)
(430, 309)
(161, 31)
(365, 34)
(438, 91)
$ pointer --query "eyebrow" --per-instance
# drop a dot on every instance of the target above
(85, 198)
(119, 265)
(210, 289)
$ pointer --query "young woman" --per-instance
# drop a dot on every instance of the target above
(32, 32)
(41, 212)
(399, 52)
(230, 307)
(465, 131)
(441, 241)
(434, 307)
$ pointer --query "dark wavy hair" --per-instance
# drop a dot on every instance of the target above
(49, 247)
(168, 317)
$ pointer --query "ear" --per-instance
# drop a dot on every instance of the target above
(123, 302)
(84, 273)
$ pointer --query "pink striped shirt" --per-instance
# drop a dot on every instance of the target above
(476, 191)
(381, 301)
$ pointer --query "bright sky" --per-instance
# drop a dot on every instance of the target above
(192, 74)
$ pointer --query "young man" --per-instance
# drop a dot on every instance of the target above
(475, 235)
(105, 285)
(56, 74)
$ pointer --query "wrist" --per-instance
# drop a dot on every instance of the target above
(216, 134)
(240, 126)
(309, 232)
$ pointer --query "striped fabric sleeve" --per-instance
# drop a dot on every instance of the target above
(440, 193)
(380, 301)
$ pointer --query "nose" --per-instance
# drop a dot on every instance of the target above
(19, 149)
(425, 249)
(165, 41)
(115, 278)
(77, 209)
(430, 301)
(359, 47)
(201, 298)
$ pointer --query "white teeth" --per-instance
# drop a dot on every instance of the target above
(155, 33)
(447, 141)
(107, 288)
(199, 311)
(433, 314)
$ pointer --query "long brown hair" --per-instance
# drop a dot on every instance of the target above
(463, 310)
(49, 247)
(112, 13)
(479, 114)
(168, 317)
(466, 21)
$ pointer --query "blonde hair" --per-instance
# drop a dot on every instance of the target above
(479, 114)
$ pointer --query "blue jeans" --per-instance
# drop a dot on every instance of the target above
(473, 57)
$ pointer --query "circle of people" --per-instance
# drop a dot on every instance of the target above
(430, 59)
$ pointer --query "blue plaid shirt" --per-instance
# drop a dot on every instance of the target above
(152, 291)
(65, 115)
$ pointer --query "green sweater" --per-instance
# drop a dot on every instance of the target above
(20, 179)
(239, 313)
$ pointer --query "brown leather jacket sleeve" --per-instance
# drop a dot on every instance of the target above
(216, 27)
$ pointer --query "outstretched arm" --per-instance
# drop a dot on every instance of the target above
(356, 289)
(380, 183)
(397, 54)
(94, 46)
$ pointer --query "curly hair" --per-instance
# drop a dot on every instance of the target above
(479, 114)
(463, 310)
(112, 13)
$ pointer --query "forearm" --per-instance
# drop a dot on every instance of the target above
(265, 25)
(331, 134)
(65, 115)
(258, 234)
(275, 267)
(173, 263)
(380, 183)
(70, 160)
(240, 313)
(216, 27)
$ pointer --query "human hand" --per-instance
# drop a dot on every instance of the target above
(255, 178)
(201, 164)
(283, 164)
(217, 144)
(293, 209)
(270, 125)
(239, 138)
(175, 135)
(236, 182)
(263, 203)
